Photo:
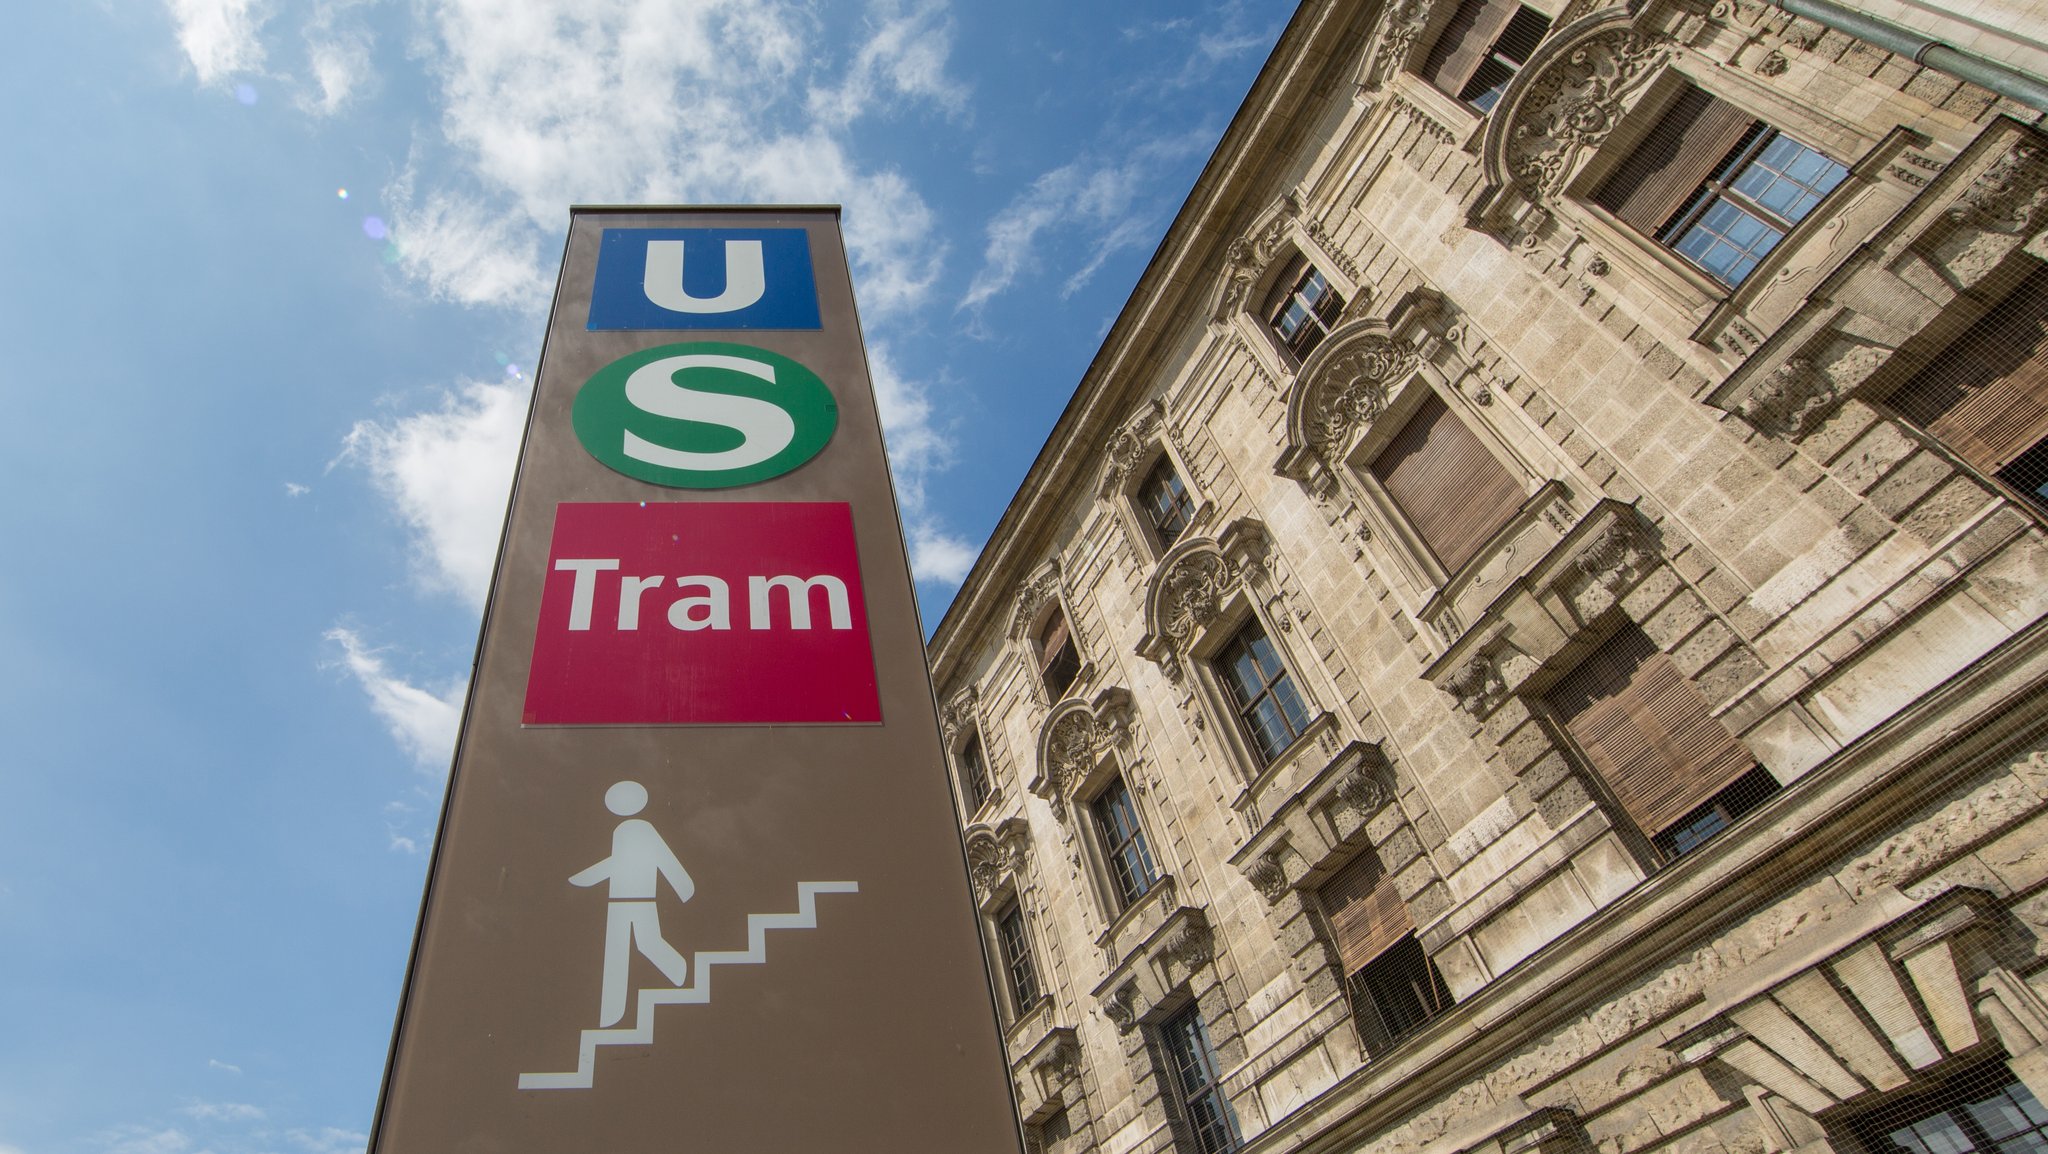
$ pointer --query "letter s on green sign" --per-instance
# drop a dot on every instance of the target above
(704, 415)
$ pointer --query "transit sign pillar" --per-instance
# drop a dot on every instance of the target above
(698, 883)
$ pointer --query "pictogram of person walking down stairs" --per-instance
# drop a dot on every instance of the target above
(640, 861)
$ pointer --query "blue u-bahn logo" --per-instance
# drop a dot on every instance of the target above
(704, 278)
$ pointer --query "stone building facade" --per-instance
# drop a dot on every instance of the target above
(1530, 632)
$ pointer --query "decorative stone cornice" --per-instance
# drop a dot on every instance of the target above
(1565, 102)
(1400, 27)
(1346, 386)
(994, 854)
(1075, 737)
(1042, 586)
(1477, 685)
(958, 716)
(1130, 446)
(1248, 256)
(2007, 196)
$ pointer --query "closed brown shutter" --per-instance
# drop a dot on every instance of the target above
(1472, 30)
(1687, 146)
(1055, 636)
(1648, 731)
(1986, 395)
(1365, 911)
(1454, 492)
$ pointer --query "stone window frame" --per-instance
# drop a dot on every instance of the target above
(960, 725)
(1608, 567)
(1254, 263)
(1590, 92)
(1082, 747)
(1037, 597)
(1204, 591)
(998, 856)
(1355, 396)
(1132, 452)
(1980, 218)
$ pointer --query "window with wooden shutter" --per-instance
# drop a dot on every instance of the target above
(1365, 912)
(1059, 662)
(1986, 395)
(1454, 493)
(1509, 52)
(1648, 731)
(1667, 167)
(1464, 43)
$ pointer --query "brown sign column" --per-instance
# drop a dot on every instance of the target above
(698, 884)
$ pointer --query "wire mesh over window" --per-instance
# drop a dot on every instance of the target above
(1198, 1082)
(974, 775)
(1123, 843)
(1397, 993)
(1505, 57)
(1166, 502)
(1268, 707)
(1017, 968)
(1453, 492)
(1985, 396)
(1983, 1110)
(1655, 742)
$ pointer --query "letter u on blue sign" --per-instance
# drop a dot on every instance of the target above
(704, 278)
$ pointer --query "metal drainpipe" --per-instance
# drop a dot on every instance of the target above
(1925, 50)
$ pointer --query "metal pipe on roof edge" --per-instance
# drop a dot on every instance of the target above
(1925, 50)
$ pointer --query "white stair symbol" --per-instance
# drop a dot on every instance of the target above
(641, 1032)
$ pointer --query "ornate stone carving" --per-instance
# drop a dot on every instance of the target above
(1477, 685)
(1772, 64)
(1568, 110)
(1129, 448)
(1268, 876)
(1043, 587)
(1330, 248)
(1612, 556)
(1121, 1007)
(1071, 748)
(1351, 389)
(958, 715)
(2007, 196)
(1399, 28)
(1192, 593)
(1192, 945)
(1791, 400)
(1249, 255)
(1059, 1066)
(993, 855)
(1362, 790)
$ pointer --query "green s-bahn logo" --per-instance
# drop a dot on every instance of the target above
(704, 415)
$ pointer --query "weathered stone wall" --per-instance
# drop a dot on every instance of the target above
(1860, 607)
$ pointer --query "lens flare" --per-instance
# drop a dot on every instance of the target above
(373, 227)
(246, 93)
(341, 193)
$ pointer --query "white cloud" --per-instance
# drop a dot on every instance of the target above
(219, 36)
(422, 721)
(217, 1064)
(7, 1149)
(294, 489)
(447, 472)
(1101, 209)
(556, 102)
(904, 55)
(338, 53)
(222, 1111)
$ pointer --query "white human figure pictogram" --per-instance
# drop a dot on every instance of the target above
(639, 858)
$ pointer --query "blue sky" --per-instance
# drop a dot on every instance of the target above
(259, 435)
